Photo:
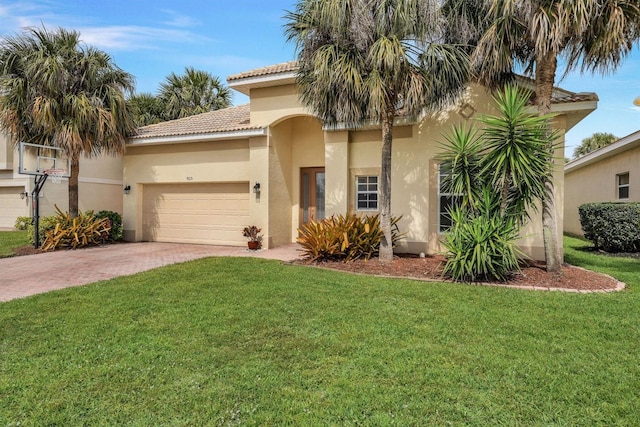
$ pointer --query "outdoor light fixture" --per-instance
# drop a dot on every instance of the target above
(256, 188)
(23, 195)
(127, 189)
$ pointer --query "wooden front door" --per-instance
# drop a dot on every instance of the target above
(311, 194)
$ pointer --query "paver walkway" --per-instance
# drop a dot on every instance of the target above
(34, 274)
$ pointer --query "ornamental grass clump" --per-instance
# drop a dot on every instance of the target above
(344, 237)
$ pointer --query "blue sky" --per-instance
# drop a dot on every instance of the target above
(150, 39)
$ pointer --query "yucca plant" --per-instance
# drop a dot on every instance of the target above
(481, 245)
(500, 174)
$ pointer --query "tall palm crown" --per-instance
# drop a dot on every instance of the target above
(57, 91)
(366, 60)
(194, 92)
(590, 35)
(147, 109)
(594, 36)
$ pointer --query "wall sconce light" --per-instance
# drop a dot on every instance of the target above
(24, 195)
(127, 189)
(256, 188)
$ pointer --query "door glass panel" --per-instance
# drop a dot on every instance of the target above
(319, 195)
(305, 198)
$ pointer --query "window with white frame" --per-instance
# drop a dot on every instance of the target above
(623, 185)
(367, 193)
(446, 201)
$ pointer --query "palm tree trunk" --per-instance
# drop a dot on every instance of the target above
(386, 245)
(73, 186)
(545, 76)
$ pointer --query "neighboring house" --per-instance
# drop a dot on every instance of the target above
(100, 187)
(610, 174)
(271, 163)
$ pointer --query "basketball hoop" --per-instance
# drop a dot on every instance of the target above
(55, 174)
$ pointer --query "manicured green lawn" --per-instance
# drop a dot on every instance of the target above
(9, 240)
(254, 342)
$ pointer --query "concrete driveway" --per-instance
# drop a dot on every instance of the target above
(34, 274)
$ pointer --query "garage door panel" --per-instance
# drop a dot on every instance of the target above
(196, 213)
(11, 206)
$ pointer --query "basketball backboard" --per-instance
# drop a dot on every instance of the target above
(37, 160)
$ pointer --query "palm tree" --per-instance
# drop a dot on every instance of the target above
(147, 109)
(594, 142)
(363, 60)
(592, 36)
(194, 92)
(57, 91)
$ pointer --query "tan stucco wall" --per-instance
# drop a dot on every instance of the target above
(100, 183)
(213, 161)
(6, 153)
(336, 160)
(308, 151)
(99, 188)
(414, 178)
(272, 104)
(597, 183)
(296, 140)
(280, 184)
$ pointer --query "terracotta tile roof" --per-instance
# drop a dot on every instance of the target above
(560, 96)
(226, 120)
(563, 96)
(285, 67)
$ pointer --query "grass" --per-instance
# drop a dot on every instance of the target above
(253, 342)
(10, 240)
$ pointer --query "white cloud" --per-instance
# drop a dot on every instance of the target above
(133, 37)
(19, 15)
(180, 20)
(634, 108)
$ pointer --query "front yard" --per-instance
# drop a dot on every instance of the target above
(10, 240)
(253, 342)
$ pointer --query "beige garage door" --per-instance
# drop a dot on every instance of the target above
(212, 214)
(11, 206)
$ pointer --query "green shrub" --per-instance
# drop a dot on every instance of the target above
(84, 230)
(481, 247)
(115, 219)
(22, 222)
(614, 227)
(46, 223)
(345, 238)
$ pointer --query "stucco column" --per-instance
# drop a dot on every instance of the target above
(336, 161)
(259, 173)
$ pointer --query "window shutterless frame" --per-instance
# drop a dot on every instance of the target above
(446, 201)
(622, 182)
(366, 192)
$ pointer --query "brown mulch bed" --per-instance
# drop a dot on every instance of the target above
(26, 250)
(532, 276)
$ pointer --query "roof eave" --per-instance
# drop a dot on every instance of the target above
(201, 137)
(244, 85)
(621, 145)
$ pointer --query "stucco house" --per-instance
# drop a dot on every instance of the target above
(610, 174)
(271, 163)
(100, 187)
